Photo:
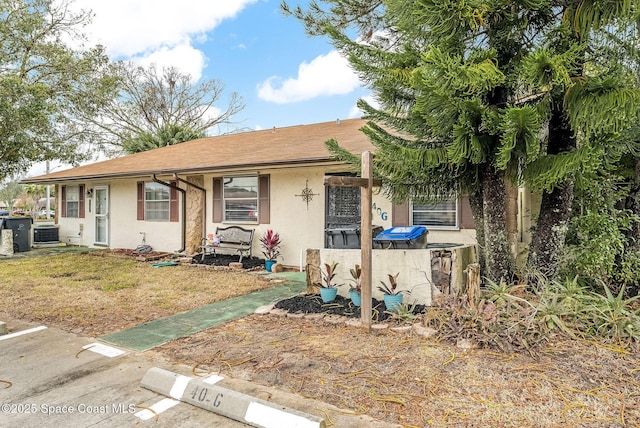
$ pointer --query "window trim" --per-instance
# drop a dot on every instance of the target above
(257, 199)
(456, 198)
(165, 213)
(141, 202)
(264, 199)
(63, 201)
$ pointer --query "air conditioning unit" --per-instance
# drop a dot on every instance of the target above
(45, 234)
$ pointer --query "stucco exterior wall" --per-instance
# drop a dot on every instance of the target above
(415, 269)
(124, 230)
(300, 224)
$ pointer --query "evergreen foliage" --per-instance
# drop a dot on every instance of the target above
(167, 135)
(49, 80)
(474, 93)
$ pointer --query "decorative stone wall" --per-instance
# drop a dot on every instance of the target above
(6, 242)
(195, 214)
(314, 278)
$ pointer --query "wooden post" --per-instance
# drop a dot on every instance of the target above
(366, 239)
(366, 183)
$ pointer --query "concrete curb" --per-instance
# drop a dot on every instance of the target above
(226, 402)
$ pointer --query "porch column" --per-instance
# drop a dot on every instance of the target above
(195, 200)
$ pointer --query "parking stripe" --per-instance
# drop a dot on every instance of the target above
(107, 351)
(23, 332)
(157, 408)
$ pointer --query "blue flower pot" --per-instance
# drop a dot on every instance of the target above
(356, 298)
(391, 301)
(268, 264)
(328, 294)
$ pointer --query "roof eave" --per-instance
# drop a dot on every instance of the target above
(171, 171)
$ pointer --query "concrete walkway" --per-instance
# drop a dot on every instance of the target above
(157, 332)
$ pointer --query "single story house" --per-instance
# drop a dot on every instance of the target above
(270, 179)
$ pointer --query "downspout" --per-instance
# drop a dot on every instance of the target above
(204, 198)
(184, 208)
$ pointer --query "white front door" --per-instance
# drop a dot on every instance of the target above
(102, 215)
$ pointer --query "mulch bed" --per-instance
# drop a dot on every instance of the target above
(250, 263)
(312, 303)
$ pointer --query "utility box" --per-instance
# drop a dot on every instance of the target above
(45, 234)
(402, 237)
(21, 227)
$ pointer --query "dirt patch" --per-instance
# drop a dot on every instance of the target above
(419, 381)
(125, 253)
(95, 294)
(395, 377)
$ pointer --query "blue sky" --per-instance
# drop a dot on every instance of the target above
(284, 77)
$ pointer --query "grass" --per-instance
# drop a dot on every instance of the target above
(100, 295)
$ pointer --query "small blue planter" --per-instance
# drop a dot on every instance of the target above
(356, 298)
(328, 294)
(391, 301)
(268, 264)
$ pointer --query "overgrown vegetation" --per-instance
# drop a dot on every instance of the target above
(514, 318)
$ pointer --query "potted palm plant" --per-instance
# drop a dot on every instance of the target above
(329, 289)
(270, 242)
(356, 285)
(391, 295)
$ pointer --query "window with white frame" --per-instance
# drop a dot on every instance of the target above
(240, 195)
(436, 215)
(156, 202)
(72, 201)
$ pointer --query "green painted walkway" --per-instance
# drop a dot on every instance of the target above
(162, 330)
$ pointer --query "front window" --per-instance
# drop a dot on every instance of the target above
(437, 215)
(241, 199)
(156, 202)
(72, 194)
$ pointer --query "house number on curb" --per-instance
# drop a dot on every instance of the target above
(200, 394)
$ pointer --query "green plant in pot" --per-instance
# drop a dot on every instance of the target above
(270, 242)
(392, 296)
(328, 288)
(355, 287)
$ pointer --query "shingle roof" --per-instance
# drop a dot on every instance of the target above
(300, 144)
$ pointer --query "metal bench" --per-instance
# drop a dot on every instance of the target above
(231, 238)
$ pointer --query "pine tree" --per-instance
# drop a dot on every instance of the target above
(468, 89)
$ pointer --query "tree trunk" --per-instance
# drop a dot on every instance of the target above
(632, 203)
(512, 219)
(548, 238)
(632, 241)
(475, 200)
(498, 260)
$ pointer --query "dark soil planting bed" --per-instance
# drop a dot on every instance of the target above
(252, 263)
(312, 303)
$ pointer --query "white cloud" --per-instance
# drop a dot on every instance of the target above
(356, 112)
(129, 28)
(185, 57)
(160, 31)
(328, 74)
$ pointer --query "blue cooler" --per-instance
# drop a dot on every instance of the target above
(402, 237)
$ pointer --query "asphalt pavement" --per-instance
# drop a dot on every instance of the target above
(53, 378)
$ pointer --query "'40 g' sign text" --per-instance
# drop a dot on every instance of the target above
(378, 211)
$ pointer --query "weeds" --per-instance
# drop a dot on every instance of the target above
(404, 313)
(511, 317)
